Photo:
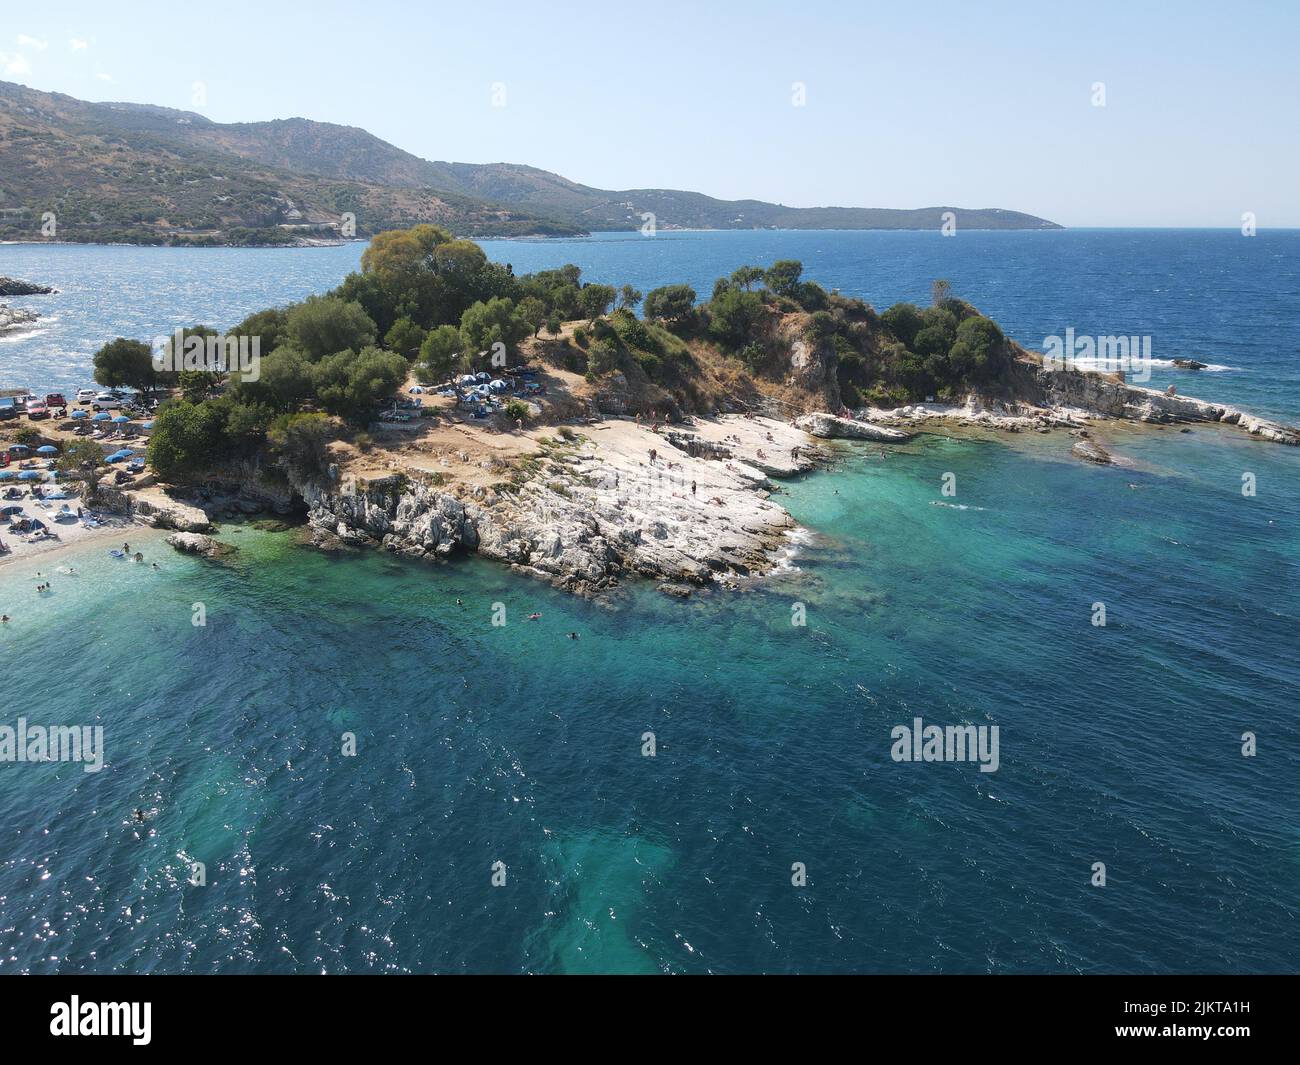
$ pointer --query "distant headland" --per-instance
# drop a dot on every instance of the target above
(120, 173)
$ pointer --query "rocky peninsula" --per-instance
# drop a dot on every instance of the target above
(586, 444)
(11, 286)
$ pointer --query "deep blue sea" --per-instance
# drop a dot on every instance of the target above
(479, 745)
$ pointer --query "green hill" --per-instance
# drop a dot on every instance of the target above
(118, 171)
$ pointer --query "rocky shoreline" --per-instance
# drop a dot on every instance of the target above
(620, 500)
(1068, 399)
(687, 506)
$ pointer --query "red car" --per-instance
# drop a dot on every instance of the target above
(37, 410)
(55, 399)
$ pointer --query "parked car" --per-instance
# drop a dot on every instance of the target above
(55, 399)
(85, 395)
(8, 408)
(106, 401)
(37, 410)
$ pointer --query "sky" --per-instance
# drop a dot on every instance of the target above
(807, 104)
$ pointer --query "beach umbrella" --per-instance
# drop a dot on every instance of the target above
(30, 475)
(80, 414)
(147, 425)
(18, 449)
(12, 508)
(102, 416)
(121, 419)
(47, 449)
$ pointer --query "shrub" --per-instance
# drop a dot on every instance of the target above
(602, 357)
(299, 442)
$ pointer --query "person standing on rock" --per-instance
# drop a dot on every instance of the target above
(692, 488)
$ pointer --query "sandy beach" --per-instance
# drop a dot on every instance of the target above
(71, 534)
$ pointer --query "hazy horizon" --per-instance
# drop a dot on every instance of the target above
(1116, 120)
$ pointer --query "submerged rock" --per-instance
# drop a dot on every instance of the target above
(198, 544)
(1091, 451)
(15, 317)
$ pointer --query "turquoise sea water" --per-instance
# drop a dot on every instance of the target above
(480, 744)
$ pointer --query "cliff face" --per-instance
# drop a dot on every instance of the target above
(811, 367)
(1112, 398)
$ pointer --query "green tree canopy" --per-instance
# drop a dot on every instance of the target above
(735, 316)
(300, 443)
(405, 338)
(672, 303)
(350, 384)
(324, 325)
(126, 362)
(80, 459)
(904, 321)
(978, 347)
(937, 333)
(485, 324)
(402, 253)
(783, 277)
(270, 326)
(595, 300)
(439, 354)
(748, 276)
(533, 311)
(284, 382)
(186, 440)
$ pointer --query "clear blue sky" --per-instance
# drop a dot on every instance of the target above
(908, 104)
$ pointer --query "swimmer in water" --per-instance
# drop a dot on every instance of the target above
(572, 635)
(139, 815)
(533, 617)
